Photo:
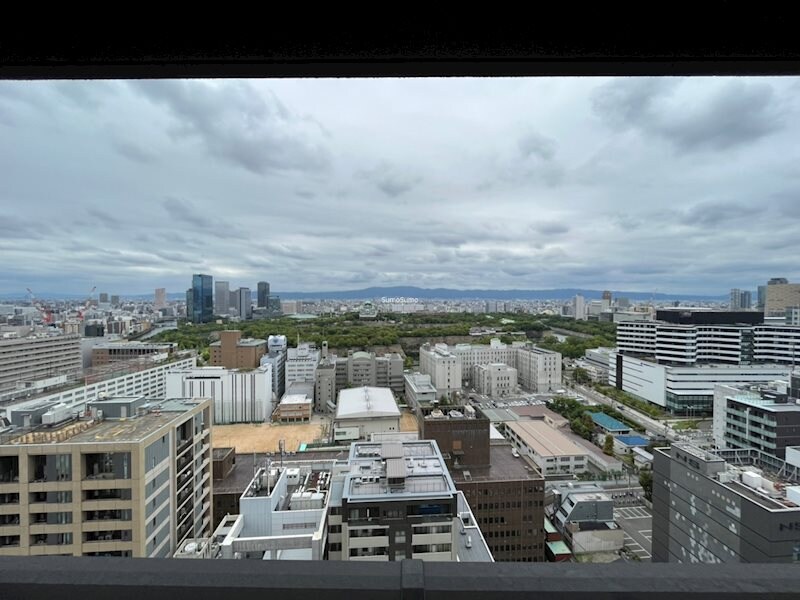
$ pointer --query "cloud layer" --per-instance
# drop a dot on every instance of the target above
(686, 185)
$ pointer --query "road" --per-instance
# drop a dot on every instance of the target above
(652, 426)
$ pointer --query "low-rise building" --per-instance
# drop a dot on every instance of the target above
(609, 424)
(584, 514)
(552, 451)
(363, 411)
(41, 356)
(419, 391)
(237, 395)
(293, 408)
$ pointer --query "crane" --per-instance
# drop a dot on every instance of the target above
(47, 314)
(86, 304)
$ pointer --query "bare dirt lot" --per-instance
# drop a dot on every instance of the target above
(264, 437)
(408, 421)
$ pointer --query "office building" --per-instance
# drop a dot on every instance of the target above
(579, 308)
(111, 352)
(234, 352)
(686, 390)
(115, 300)
(236, 396)
(762, 298)
(26, 360)
(263, 294)
(764, 417)
(325, 388)
(398, 501)
(244, 304)
(503, 488)
(780, 295)
(160, 298)
(553, 452)
(301, 364)
(724, 506)
(189, 303)
(202, 298)
(222, 297)
(365, 368)
(443, 366)
(130, 477)
(103, 298)
(363, 411)
(605, 303)
(419, 391)
(494, 380)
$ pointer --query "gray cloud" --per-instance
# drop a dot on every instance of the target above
(133, 152)
(734, 114)
(389, 179)
(535, 144)
(716, 213)
(235, 123)
(549, 227)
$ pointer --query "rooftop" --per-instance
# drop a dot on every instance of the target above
(91, 430)
(545, 440)
(504, 466)
(633, 440)
(364, 402)
(766, 404)
(608, 423)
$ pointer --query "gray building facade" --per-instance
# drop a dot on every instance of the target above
(725, 506)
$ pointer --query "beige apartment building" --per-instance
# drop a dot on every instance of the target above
(39, 357)
(128, 477)
(233, 352)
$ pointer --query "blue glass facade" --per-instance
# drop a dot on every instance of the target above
(202, 298)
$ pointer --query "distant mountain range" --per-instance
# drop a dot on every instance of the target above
(376, 293)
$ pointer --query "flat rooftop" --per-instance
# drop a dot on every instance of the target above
(504, 466)
(545, 440)
(86, 430)
(766, 404)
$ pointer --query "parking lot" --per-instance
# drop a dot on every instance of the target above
(636, 522)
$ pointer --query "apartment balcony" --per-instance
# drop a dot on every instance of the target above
(378, 541)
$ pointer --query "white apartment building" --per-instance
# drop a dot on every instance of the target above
(150, 382)
(237, 396)
(495, 379)
(579, 308)
(301, 364)
(37, 357)
(443, 366)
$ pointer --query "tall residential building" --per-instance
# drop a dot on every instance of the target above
(277, 361)
(244, 303)
(131, 478)
(724, 506)
(202, 298)
(605, 303)
(579, 308)
(234, 352)
(780, 296)
(222, 297)
(740, 299)
(263, 294)
(160, 298)
(103, 298)
(24, 361)
(762, 297)
(237, 396)
(115, 300)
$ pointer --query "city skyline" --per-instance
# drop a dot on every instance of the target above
(640, 184)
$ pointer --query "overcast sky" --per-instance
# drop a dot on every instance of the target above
(687, 185)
